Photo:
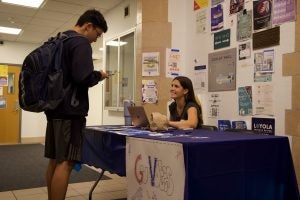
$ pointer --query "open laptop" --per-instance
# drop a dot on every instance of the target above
(138, 116)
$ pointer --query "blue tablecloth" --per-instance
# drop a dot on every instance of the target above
(219, 165)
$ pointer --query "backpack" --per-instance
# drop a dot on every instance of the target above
(41, 77)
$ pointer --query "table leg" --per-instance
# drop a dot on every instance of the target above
(95, 184)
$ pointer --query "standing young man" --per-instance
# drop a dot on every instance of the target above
(65, 124)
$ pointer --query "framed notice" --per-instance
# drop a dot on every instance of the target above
(222, 70)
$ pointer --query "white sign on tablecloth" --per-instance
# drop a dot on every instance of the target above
(154, 169)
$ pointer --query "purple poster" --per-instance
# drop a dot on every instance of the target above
(217, 21)
(284, 11)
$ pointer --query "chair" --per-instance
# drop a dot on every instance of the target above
(209, 127)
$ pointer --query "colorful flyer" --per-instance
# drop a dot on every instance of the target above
(284, 11)
(149, 91)
(173, 60)
(262, 10)
(150, 64)
(245, 100)
(217, 21)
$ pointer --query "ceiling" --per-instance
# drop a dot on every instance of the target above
(52, 17)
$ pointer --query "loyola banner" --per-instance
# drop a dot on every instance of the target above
(154, 169)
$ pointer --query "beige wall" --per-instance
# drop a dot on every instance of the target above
(291, 67)
(153, 35)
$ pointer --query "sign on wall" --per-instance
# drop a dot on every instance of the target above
(222, 39)
(154, 169)
(216, 18)
(222, 70)
(150, 64)
(173, 63)
(149, 91)
(245, 100)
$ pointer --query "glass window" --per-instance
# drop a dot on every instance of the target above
(120, 57)
(11, 83)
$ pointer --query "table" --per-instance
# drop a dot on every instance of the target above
(218, 165)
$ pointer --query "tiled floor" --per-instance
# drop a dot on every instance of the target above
(113, 189)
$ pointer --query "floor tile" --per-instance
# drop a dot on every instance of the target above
(7, 195)
(112, 189)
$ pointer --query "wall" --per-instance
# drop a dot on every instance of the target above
(292, 116)
(32, 124)
(198, 46)
(117, 24)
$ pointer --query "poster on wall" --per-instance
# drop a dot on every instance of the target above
(201, 21)
(154, 169)
(263, 125)
(244, 51)
(222, 70)
(284, 11)
(2, 102)
(245, 100)
(263, 100)
(222, 39)
(215, 2)
(244, 25)
(217, 21)
(264, 61)
(3, 75)
(262, 11)
(199, 81)
(262, 77)
(150, 64)
(3, 70)
(199, 4)
(267, 38)
(236, 6)
(4, 80)
(214, 105)
(149, 91)
(173, 60)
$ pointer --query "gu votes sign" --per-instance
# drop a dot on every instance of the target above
(154, 169)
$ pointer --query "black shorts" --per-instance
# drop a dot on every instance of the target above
(64, 139)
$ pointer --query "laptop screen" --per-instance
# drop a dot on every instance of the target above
(138, 116)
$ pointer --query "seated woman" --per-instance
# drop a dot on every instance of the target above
(185, 112)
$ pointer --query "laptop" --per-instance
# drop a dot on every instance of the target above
(138, 116)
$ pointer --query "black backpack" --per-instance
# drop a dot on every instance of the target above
(41, 78)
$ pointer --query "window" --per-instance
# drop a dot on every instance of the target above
(120, 63)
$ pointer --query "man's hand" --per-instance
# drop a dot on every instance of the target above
(104, 75)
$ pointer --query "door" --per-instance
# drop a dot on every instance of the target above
(9, 104)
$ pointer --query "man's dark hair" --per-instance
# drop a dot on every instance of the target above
(93, 16)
